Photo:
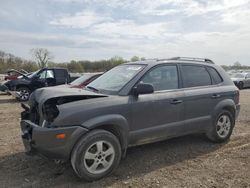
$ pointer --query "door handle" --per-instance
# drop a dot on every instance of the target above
(215, 96)
(176, 101)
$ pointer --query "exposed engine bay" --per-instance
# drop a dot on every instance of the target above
(43, 103)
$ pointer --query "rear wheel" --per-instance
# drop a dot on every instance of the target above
(23, 93)
(222, 128)
(96, 155)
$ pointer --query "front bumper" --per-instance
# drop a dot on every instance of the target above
(3, 88)
(41, 140)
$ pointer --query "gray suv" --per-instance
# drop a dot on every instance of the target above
(134, 103)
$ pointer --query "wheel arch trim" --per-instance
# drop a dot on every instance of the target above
(111, 122)
(227, 104)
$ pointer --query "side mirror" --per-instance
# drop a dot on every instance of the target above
(143, 89)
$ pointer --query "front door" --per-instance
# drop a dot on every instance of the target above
(158, 115)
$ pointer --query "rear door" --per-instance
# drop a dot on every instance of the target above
(158, 115)
(200, 85)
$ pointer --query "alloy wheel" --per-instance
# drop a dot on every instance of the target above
(99, 157)
(223, 126)
(24, 94)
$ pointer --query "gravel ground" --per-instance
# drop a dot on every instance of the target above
(189, 161)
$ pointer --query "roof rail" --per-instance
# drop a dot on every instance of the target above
(205, 60)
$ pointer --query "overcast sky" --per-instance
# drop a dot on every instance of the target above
(98, 29)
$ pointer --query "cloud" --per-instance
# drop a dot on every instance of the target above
(239, 16)
(80, 20)
(34, 39)
(187, 8)
(94, 29)
(130, 29)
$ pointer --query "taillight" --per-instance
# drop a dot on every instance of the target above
(237, 97)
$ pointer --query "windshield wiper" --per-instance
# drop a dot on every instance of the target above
(92, 88)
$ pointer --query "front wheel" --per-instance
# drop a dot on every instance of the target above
(222, 127)
(23, 93)
(96, 155)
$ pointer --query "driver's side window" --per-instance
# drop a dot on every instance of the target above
(162, 77)
(46, 74)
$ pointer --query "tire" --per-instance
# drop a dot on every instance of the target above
(24, 93)
(91, 163)
(241, 85)
(222, 127)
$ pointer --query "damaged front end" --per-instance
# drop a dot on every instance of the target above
(40, 134)
(50, 110)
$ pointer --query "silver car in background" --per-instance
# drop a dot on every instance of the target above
(241, 80)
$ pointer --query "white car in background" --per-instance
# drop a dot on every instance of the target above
(241, 80)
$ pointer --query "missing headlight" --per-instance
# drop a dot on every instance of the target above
(50, 112)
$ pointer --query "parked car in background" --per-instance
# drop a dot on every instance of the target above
(133, 103)
(241, 80)
(84, 80)
(14, 74)
(23, 87)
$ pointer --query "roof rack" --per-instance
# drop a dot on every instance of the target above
(205, 60)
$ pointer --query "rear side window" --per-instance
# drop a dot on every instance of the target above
(215, 75)
(194, 76)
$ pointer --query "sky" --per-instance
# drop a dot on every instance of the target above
(101, 29)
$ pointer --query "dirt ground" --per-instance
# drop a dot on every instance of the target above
(189, 161)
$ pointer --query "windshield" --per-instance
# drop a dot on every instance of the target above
(81, 79)
(237, 76)
(114, 80)
(32, 74)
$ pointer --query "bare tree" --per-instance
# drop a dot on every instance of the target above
(42, 56)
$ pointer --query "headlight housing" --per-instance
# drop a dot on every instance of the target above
(50, 111)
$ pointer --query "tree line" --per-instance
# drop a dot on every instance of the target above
(235, 66)
(43, 58)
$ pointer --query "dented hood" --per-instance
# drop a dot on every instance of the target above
(42, 95)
